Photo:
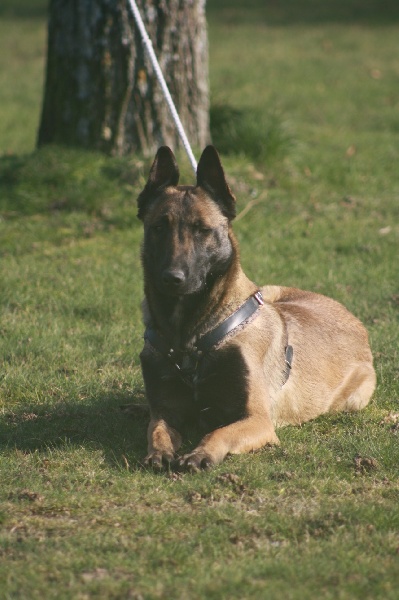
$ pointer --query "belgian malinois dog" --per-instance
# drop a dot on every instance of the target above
(237, 359)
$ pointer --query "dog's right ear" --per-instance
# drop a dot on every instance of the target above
(164, 172)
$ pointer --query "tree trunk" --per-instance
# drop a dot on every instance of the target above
(101, 91)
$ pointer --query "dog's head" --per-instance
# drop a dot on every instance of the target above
(187, 239)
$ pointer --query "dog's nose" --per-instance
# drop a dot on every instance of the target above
(173, 277)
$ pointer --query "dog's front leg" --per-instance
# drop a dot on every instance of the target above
(165, 396)
(163, 443)
(246, 435)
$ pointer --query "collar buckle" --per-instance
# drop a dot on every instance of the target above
(259, 298)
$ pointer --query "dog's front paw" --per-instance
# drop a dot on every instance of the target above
(196, 461)
(158, 460)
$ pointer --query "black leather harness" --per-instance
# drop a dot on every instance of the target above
(188, 363)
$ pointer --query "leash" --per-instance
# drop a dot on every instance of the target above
(154, 61)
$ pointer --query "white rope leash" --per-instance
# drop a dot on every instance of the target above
(161, 79)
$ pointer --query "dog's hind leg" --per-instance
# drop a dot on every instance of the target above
(163, 443)
(355, 390)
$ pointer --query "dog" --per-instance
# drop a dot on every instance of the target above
(219, 351)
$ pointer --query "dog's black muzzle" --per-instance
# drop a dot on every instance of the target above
(173, 278)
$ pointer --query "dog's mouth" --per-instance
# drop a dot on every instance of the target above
(181, 291)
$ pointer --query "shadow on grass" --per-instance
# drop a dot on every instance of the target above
(309, 12)
(281, 12)
(115, 424)
(24, 9)
(246, 131)
(59, 179)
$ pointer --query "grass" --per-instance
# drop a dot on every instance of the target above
(305, 110)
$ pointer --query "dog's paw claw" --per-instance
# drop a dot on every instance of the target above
(159, 461)
(194, 462)
(207, 463)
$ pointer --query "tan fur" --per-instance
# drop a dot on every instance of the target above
(332, 367)
(163, 442)
(332, 370)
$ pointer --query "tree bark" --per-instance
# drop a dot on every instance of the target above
(101, 91)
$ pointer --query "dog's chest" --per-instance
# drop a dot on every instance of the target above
(216, 386)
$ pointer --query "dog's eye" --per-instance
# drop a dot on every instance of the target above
(158, 227)
(201, 228)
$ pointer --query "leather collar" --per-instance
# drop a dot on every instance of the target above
(215, 336)
(187, 361)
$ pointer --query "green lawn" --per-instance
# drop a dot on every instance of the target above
(305, 111)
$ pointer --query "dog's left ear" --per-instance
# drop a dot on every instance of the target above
(210, 176)
(164, 172)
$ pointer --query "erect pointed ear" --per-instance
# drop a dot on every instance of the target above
(164, 172)
(210, 176)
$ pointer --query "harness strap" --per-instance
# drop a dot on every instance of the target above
(157, 341)
(213, 337)
(289, 354)
(246, 310)
(190, 359)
